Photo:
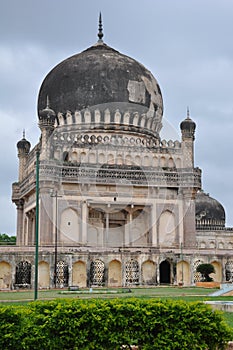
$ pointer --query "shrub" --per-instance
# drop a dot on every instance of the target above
(109, 324)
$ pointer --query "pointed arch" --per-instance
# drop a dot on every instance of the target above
(5, 275)
(217, 276)
(43, 275)
(183, 273)
(167, 228)
(114, 274)
(79, 274)
(165, 272)
(149, 272)
(70, 225)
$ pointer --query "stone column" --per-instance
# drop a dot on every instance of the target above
(19, 230)
(106, 228)
(154, 233)
(84, 213)
(189, 225)
(30, 231)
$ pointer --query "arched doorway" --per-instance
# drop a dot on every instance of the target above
(165, 272)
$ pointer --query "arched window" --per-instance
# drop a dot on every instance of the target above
(65, 156)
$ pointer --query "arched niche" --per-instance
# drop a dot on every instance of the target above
(79, 274)
(137, 161)
(69, 225)
(92, 157)
(128, 159)
(155, 161)
(149, 272)
(110, 159)
(146, 161)
(74, 156)
(183, 273)
(171, 163)
(114, 274)
(5, 275)
(43, 275)
(83, 157)
(163, 162)
(101, 158)
(217, 276)
(167, 229)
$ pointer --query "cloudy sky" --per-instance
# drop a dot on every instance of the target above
(187, 45)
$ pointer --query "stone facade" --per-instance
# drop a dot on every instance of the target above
(117, 205)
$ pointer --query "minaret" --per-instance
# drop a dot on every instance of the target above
(188, 127)
(46, 123)
(23, 147)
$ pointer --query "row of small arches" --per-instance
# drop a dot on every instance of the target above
(107, 118)
(115, 140)
(118, 159)
(213, 244)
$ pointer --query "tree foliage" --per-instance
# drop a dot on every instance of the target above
(206, 270)
(7, 240)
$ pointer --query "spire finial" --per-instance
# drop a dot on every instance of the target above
(23, 133)
(47, 102)
(188, 114)
(100, 33)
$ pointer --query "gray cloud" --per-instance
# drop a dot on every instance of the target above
(185, 44)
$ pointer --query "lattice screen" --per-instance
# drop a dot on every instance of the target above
(197, 275)
(97, 272)
(62, 273)
(23, 273)
(229, 271)
(131, 272)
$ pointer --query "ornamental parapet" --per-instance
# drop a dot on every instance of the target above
(112, 174)
(109, 174)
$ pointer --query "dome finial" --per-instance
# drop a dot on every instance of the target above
(100, 33)
(23, 133)
(188, 114)
(47, 102)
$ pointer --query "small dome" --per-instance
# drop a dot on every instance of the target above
(209, 212)
(47, 112)
(24, 145)
(188, 125)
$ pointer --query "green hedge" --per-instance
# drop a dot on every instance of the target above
(109, 324)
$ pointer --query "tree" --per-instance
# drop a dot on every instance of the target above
(7, 240)
(206, 270)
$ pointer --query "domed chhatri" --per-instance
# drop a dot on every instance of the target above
(24, 145)
(103, 78)
(47, 112)
(209, 212)
(188, 127)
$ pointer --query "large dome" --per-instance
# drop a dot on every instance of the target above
(101, 77)
(209, 212)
